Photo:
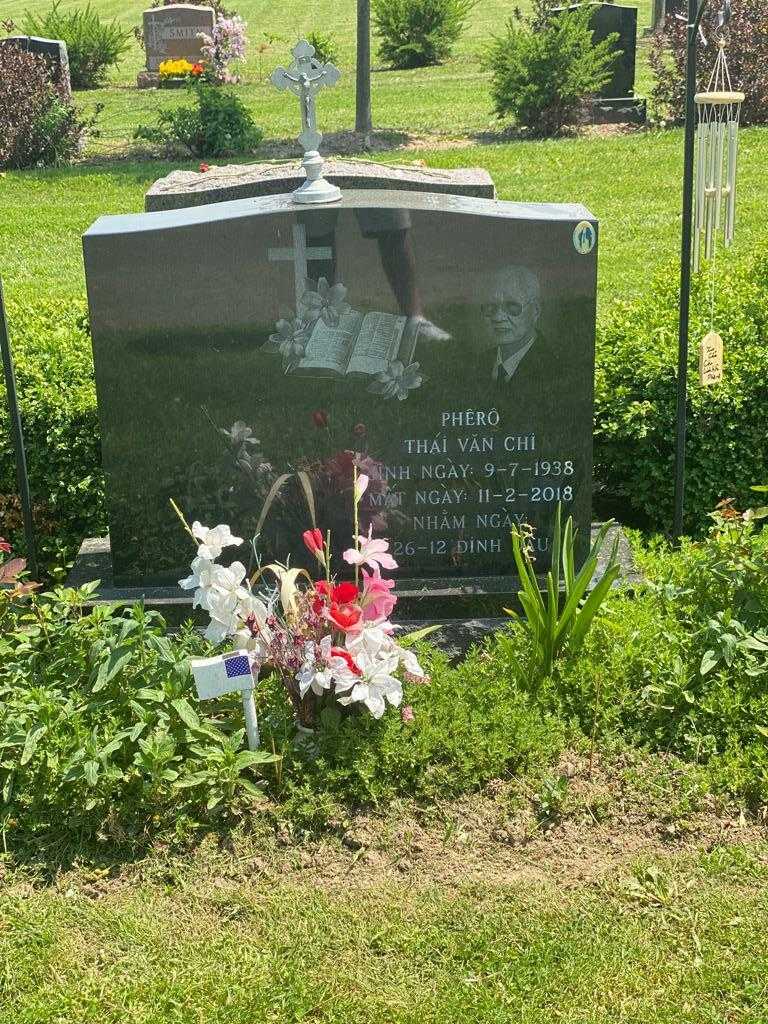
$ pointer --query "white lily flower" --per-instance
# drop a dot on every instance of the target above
(213, 541)
(312, 677)
(203, 572)
(377, 686)
(253, 634)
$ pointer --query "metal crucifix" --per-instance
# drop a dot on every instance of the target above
(305, 78)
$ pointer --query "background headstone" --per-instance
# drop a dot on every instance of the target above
(55, 52)
(604, 21)
(246, 181)
(225, 358)
(171, 33)
(616, 101)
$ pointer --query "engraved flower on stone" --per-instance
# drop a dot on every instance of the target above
(239, 434)
(397, 380)
(291, 338)
(327, 303)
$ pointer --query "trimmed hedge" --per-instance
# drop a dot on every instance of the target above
(54, 376)
(635, 395)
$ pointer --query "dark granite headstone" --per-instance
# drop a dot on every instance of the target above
(246, 181)
(605, 20)
(55, 52)
(172, 32)
(445, 345)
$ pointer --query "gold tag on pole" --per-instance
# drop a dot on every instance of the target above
(710, 359)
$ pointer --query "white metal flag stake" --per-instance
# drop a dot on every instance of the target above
(717, 110)
(229, 673)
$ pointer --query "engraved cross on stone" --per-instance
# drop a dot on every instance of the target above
(301, 254)
(305, 78)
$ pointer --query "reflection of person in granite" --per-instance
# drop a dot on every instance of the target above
(509, 317)
(392, 231)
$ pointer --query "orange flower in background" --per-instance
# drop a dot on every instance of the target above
(198, 69)
(204, 167)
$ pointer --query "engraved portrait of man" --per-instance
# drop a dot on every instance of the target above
(509, 317)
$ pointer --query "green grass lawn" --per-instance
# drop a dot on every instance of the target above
(682, 945)
(631, 183)
(451, 100)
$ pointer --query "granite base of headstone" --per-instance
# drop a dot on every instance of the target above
(55, 53)
(466, 613)
(247, 181)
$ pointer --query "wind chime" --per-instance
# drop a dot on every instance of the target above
(718, 110)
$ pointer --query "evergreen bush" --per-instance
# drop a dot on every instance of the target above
(93, 45)
(544, 67)
(636, 394)
(416, 33)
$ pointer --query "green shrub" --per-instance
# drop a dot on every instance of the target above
(543, 68)
(54, 370)
(39, 126)
(98, 739)
(217, 125)
(326, 47)
(101, 736)
(472, 723)
(93, 45)
(635, 396)
(415, 33)
(747, 61)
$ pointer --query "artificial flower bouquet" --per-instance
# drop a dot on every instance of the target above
(328, 640)
(171, 71)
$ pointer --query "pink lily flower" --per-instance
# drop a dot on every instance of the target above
(373, 552)
(377, 601)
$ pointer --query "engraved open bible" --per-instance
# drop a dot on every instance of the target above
(359, 345)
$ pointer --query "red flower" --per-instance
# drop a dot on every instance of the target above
(322, 594)
(344, 593)
(5, 546)
(342, 652)
(320, 418)
(197, 69)
(204, 167)
(314, 541)
(344, 616)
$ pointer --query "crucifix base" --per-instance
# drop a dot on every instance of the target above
(315, 189)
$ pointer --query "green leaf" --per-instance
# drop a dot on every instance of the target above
(110, 668)
(186, 712)
(418, 634)
(250, 787)
(708, 662)
(196, 779)
(91, 772)
(246, 758)
(30, 743)
(151, 694)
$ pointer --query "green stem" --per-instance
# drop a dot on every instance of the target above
(357, 521)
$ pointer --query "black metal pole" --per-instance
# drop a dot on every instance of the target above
(18, 438)
(694, 16)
